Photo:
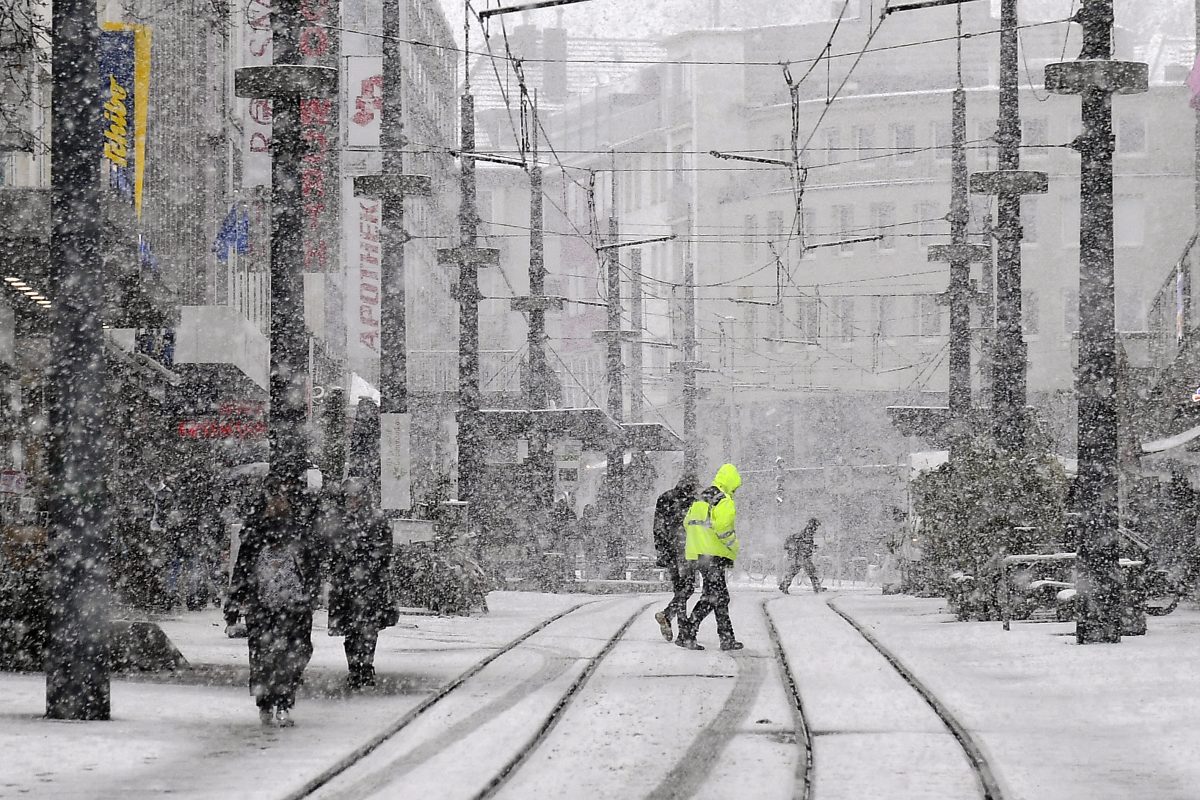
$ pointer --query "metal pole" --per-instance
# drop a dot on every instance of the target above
(77, 677)
(636, 322)
(285, 428)
(393, 347)
(1009, 359)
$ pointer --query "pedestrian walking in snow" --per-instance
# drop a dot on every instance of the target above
(276, 584)
(361, 598)
(669, 542)
(799, 547)
(712, 543)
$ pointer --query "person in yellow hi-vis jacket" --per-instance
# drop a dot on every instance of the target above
(712, 543)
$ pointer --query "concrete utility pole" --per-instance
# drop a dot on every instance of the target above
(960, 256)
(77, 676)
(614, 337)
(636, 322)
(391, 188)
(287, 83)
(1008, 184)
(541, 456)
(468, 258)
(1095, 76)
(689, 366)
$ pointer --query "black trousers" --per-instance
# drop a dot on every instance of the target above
(360, 653)
(714, 598)
(793, 569)
(280, 646)
(683, 583)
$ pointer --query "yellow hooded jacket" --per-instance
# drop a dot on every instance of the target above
(710, 522)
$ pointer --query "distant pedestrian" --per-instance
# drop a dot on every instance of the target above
(276, 584)
(799, 547)
(361, 598)
(712, 543)
(670, 543)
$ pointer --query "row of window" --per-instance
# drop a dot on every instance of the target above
(883, 231)
(902, 142)
(846, 318)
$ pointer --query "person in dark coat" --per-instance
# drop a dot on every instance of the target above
(799, 547)
(669, 539)
(276, 585)
(361, 599)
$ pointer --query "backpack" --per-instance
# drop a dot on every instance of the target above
(278, 572)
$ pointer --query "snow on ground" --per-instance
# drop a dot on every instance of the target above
(1056, 719)
(197, 735)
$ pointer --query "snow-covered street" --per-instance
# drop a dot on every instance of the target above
(596, 704)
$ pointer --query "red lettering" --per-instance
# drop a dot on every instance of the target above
(368, 293)
(368, 274)
(370, 339)
(260, 142)
(317, 138)
(312, 182)
(316, 254)
(313, 211)
(314, 42)
(315, 112)
(260, 111)
(369, 100)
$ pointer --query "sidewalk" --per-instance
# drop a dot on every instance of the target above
(196, 734)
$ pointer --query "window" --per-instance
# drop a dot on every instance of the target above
(883, 220)
(904, 139)
(1029, 220)
(844, 322)
(750, 243)
(1131, 135)
(833, 145)
(1030, 313)
(1070, 298)
(929, 315)
(926, 216)
(808, 318)
(864, 140)
(943, 139)
(1129, 222)
(775, 225)
(845, 221)
(885, 307)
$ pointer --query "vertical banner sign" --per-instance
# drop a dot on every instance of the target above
(255, 51)
(319, 45)
(125, 90)
(364, 92)
(362, 228)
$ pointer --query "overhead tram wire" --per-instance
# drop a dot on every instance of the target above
(697, 62)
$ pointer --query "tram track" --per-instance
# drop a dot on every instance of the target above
(804, 766)
(555, 663)
(988, 785)
(364, 750)
(556, 713)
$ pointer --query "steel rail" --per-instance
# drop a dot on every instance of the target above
(988, 783)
